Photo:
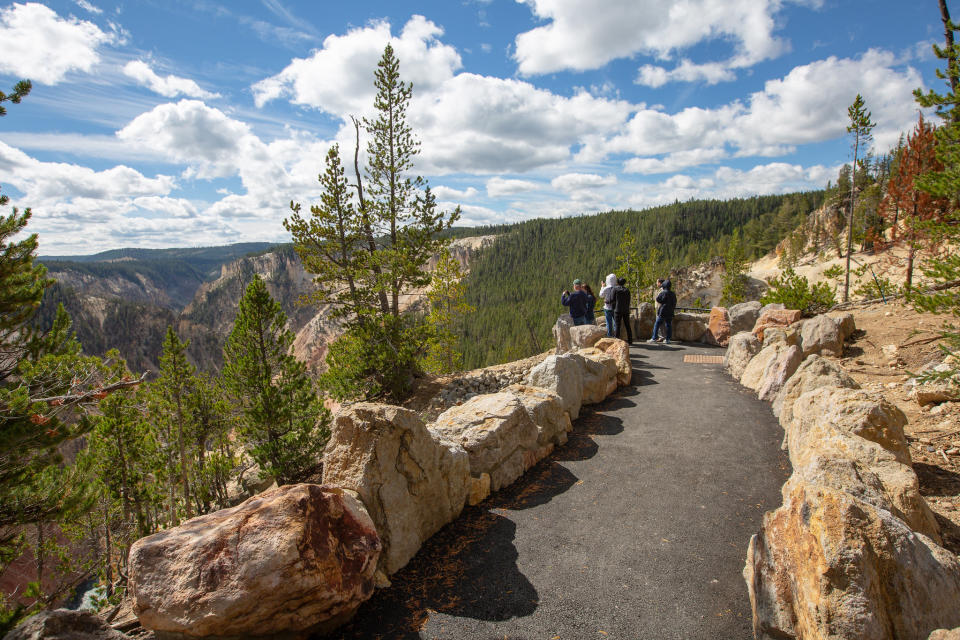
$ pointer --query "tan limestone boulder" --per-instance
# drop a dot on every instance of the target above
(496, 431)
(788, 336)
(743, 316)
(778, 372)
(620, 351)
(546, 410)
(291, 561)
(862, 434)
(820, 335)
(774, 318)
(753, 373)
(411, 483)
(688, 327)
(479, 489)
(827, 565)
(64, 624)
(643, 321)
(718, 327)
(815, 372)
(845, 323)
(938, 392)
(586, 335)
(561, 333)
(743, 346)
(945, 634)
(599, 376)
(563, 375)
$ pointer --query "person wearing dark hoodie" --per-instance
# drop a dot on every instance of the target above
(621, 310)
(667, 300)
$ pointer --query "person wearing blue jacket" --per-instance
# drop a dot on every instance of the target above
(578, 301)
(667, 300)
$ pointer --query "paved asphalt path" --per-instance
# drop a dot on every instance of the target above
(636, 528)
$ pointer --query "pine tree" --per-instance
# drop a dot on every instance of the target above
(167, 405)
(283, 422)
(448, 307)
(944, 270)
(861, 127)
(366, 253)
(906, 208)
(734, 272)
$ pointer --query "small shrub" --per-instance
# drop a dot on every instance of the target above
(880, 288)
(795, 292)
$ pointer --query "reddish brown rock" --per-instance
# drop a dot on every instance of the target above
(291, 561)
(775, 318)
(718, 327)
(827, 565)
(620, 351)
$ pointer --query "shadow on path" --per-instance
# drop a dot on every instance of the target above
(469, 568)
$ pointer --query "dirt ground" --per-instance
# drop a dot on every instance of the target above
(893, 340)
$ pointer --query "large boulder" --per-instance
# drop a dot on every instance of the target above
(619, 351)
(643, 321)
(563, 375)
(599, 376)
(585, 336)
(778, 372)
(718, 327)
(815, 372)
(410, 483)
(774, 318)
(773, 306)
(854, 441)
(788, 336)
(945, 634)
(64, 624)
(743, 316)
(845, 323)
(756, 369)
(688, 327)
(827, 565)
(546, 410)
(821, 335)
(291, 561)
(743, 346)
(496, 431)
(561, 333)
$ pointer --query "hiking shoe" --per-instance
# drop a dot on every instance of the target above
(651, 340)
(666, 342)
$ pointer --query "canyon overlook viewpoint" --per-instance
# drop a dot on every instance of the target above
(665, 347)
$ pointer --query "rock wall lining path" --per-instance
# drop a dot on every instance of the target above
(853, 551)
(302, 558)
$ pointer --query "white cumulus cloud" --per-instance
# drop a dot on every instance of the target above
(338, 77)
(497, 187)
(170, 86)
(570, 182)
(581, 35)
(38, 44)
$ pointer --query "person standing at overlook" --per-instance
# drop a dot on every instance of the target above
(621, 310)
(606, 292)
(578, 301)
(591, 315)
(668, 303)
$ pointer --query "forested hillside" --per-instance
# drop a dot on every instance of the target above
(516, 285)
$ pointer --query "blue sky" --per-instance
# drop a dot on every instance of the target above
(159, 123)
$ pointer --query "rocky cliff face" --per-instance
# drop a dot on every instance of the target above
(129, 306)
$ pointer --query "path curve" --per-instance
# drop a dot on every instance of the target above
(636, 528)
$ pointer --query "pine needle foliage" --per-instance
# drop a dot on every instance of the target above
(283, 421)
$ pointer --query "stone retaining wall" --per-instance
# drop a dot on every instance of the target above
(301, 558)
(854, 550)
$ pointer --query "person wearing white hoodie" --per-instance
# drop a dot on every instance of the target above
(606, 292)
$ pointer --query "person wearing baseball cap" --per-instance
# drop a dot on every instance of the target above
(578, 301)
